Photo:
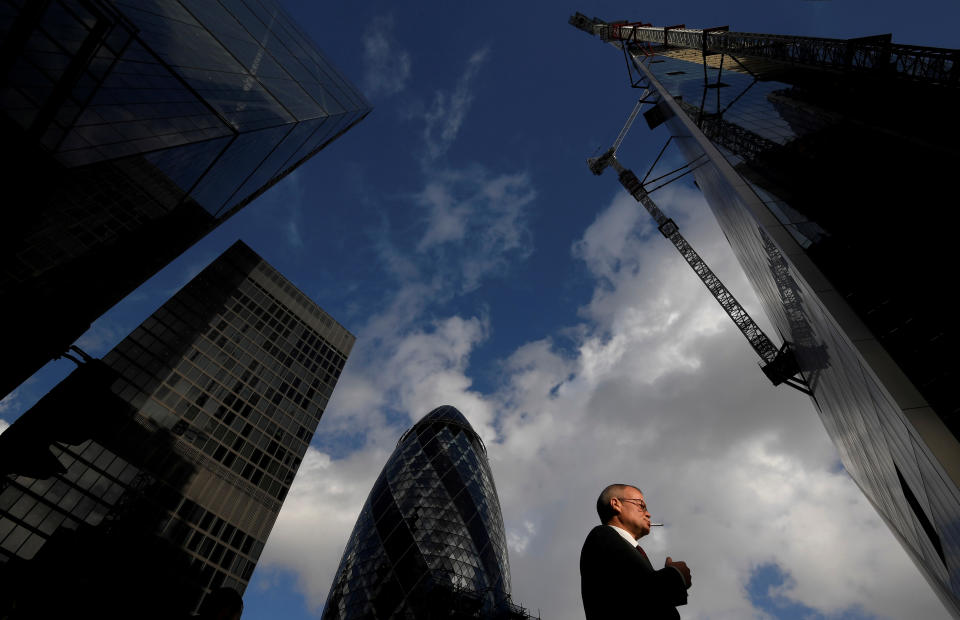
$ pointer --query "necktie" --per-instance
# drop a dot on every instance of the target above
(642, 552)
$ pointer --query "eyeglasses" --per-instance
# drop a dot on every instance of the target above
(642, 505)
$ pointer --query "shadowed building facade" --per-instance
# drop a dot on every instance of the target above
(148, 478)
(429, 541)
(131, 130)
(828, 193)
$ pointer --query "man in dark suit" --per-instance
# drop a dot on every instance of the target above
(615, 574)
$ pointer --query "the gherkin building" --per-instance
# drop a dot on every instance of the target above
(429, 541)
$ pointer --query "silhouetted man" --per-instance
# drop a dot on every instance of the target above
(616, 578)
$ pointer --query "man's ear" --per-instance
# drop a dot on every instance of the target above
(616, 505)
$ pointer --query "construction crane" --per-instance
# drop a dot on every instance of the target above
(779, 364)
(869, 57)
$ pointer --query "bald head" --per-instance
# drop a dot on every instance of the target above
(604, 511)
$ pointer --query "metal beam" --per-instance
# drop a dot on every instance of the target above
(866, 55)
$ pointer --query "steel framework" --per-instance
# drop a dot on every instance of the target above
(669, 229)
(779, 365)
(736, 139)
(866, 55)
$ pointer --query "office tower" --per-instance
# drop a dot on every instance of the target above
(429, 541)
(145, 479)
(131, 130)
(825, 162)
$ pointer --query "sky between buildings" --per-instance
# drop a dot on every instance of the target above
(458, 233)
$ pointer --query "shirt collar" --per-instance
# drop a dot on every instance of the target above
(627, 536)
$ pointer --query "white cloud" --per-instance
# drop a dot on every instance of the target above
(407, 371)
(655, 392)
(10, 402)
(293, 200)
(519, 538)
(741, 472)
(317, 517)
(4, 425)
(387, 66)
(448, 110)
(448, 218)
(293, 233)
(478, 217)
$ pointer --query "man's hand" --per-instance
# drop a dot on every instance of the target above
(682, 567)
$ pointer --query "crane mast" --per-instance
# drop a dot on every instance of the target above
(779, 365)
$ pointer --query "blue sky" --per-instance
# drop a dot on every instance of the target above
(458, 233)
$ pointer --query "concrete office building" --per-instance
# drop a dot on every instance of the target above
(146, 479)
(131, 130)
(825, 162)
(429, 541)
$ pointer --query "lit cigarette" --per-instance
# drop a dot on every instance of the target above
(653, 524)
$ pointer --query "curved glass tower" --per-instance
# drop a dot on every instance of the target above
(429, 539)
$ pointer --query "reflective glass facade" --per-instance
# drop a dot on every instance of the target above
(429, 541)
(157, 473)
(133, 129)
(817, 183)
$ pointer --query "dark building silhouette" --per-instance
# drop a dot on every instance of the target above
(144, 480)
(429, 541)
(131, 130)
(827, 163)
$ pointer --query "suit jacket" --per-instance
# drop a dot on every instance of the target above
(615, 577)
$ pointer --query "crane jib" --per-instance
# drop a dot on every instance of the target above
(780, 365)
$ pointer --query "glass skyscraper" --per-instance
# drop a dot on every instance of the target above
(429, 541)
(148, 478)
(132, 129)
(829, 194)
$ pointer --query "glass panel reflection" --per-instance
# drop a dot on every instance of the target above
(795, 191)
(146, 458)
(430, 537)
